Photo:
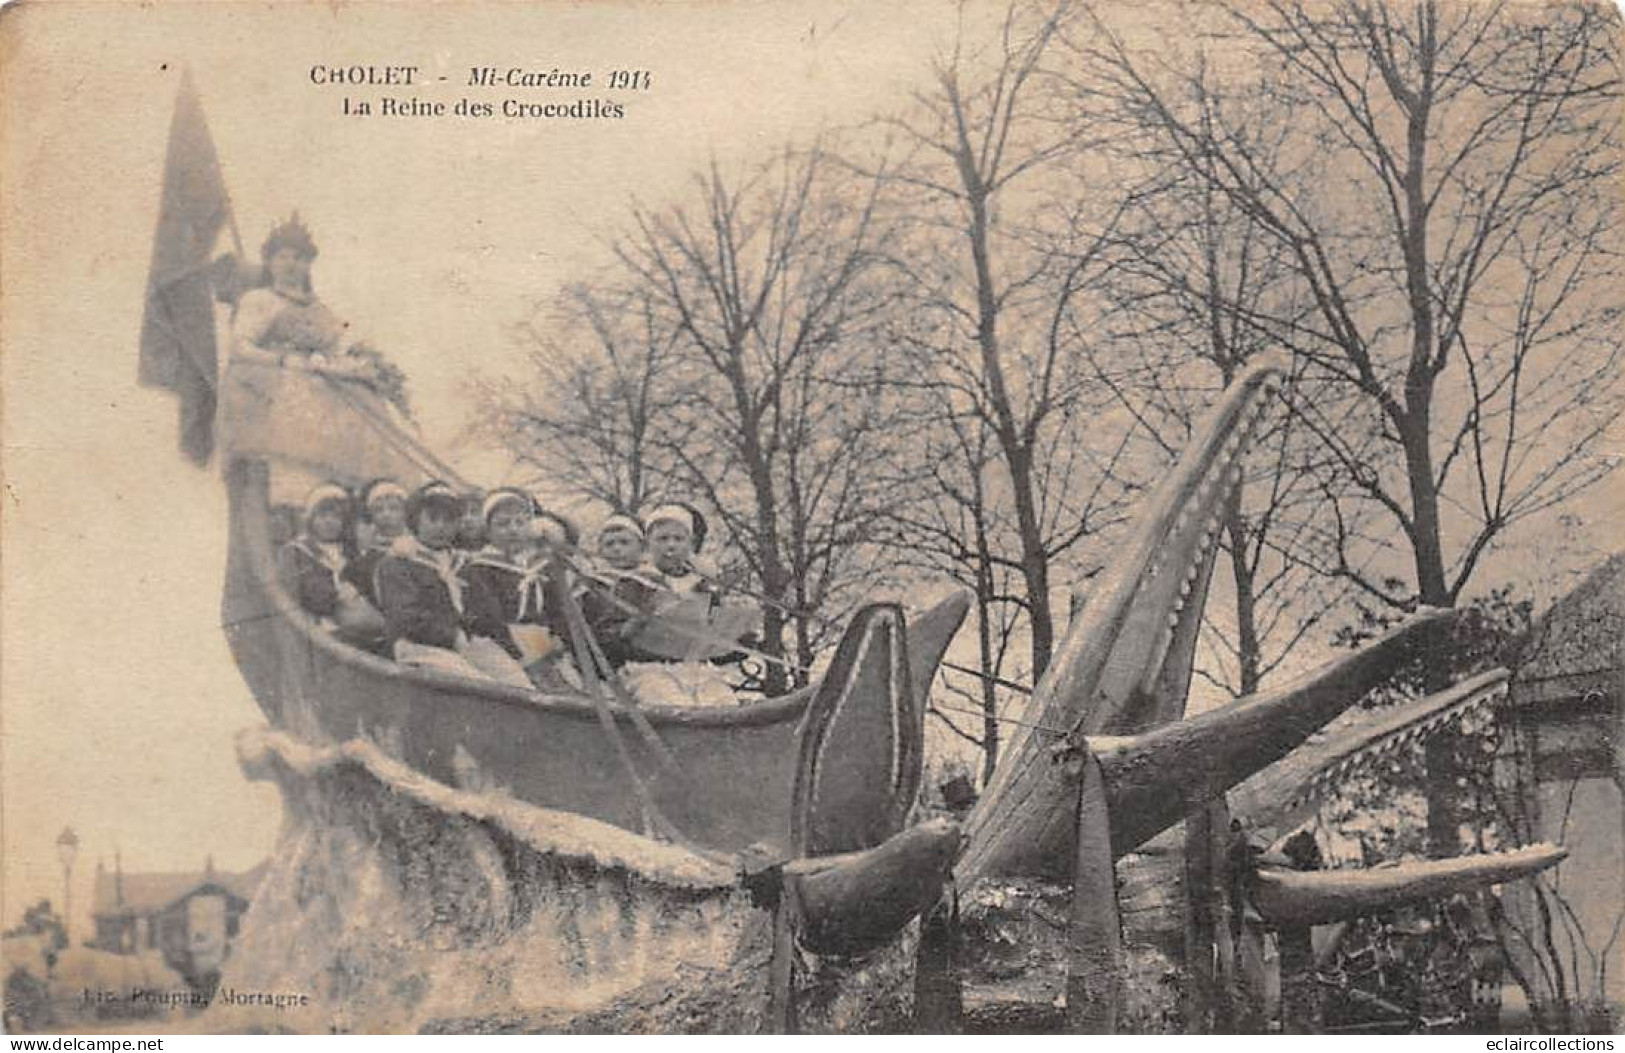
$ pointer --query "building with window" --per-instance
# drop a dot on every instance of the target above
(190, 918)
(1560, 776)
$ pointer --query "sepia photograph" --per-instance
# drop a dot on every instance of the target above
(810, 517)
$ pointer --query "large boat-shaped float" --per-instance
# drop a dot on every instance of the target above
(820, 783)
(721, 776)
(456, 842)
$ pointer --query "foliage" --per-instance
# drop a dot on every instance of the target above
(383, 376)
(41, 920)
(1487, 632)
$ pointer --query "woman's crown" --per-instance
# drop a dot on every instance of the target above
(292, 234)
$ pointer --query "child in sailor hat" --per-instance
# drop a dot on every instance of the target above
(676, 533)
(510, 599)
(382, 519)
(418, 587)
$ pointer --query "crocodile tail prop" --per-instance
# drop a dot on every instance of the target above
(856, 873)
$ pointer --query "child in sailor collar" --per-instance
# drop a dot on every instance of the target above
(471, 529)
(619, 596)
(508, 580)
(621, 545)
(418, 587)
(383, 519)
(676, 532)
(312, 564)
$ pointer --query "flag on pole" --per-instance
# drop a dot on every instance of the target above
(178, 331)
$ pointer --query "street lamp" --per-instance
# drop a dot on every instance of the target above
(67, 847)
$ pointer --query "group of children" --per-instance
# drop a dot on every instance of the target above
(481, 589)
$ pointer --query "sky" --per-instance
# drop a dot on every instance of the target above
(120, 700)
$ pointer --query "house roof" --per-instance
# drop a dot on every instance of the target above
(1578, 647)
(146, 893)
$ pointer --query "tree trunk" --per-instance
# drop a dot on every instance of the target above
(1208, 953)
(1012, 443)
(1034, 559)
(804, 643)
(775, 578)
(1249, 657)
(1444, 803)
(984, 639)
(990, 697)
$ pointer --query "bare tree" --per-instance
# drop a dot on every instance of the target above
(1449, 206)
(985, 285)
(1448, 202)
(949, 525)
(763, 286)
(586, 413)
(728, 355)
(1192, 274)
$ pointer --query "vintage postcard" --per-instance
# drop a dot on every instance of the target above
(1008, 516)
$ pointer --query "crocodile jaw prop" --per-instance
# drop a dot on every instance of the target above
(1115, 692)
(1102, 760)
(1321, 897)
(1125, 663)
(1153, 778)
(1114, 698)
(1286, 794)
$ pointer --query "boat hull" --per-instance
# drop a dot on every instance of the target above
(722, 777)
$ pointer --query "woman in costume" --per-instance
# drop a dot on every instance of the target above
(284, 317)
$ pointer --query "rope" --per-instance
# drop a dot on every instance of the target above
(999, 717)
(826, 624)
(782, 608)
(602, 673)
(998, 680)
(627, 608)
(414, 451)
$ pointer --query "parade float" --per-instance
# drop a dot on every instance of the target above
(459, 855)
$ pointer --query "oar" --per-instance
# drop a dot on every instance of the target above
(594, 665)
(654, 818)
